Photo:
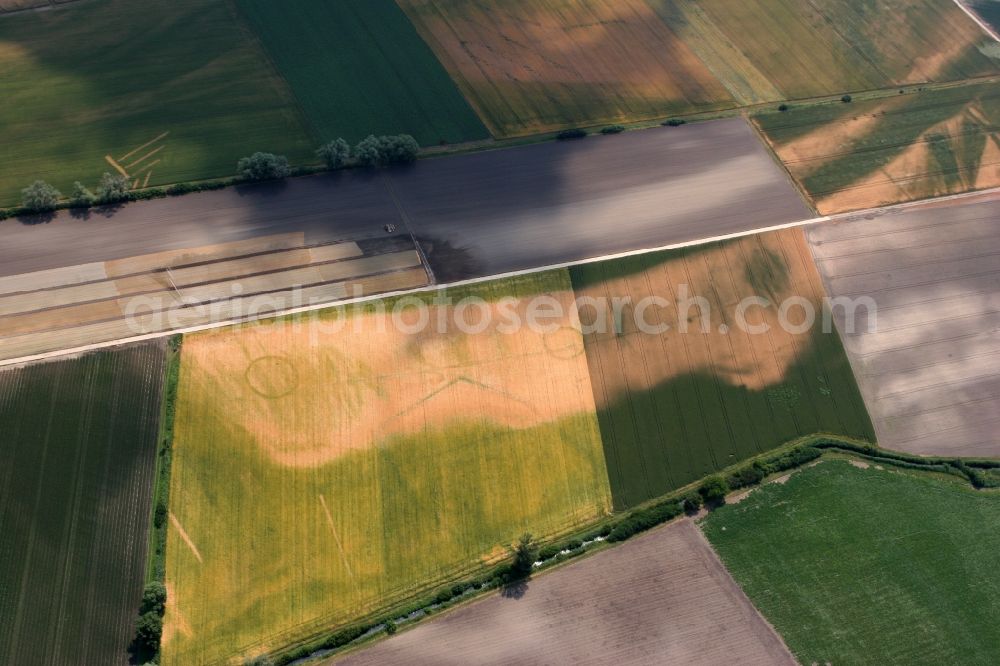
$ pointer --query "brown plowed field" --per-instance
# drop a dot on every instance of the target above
(661, 598)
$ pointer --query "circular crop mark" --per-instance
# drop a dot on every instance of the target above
(566, 343)
(272, 377)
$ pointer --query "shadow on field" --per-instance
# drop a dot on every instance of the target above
(515, 590)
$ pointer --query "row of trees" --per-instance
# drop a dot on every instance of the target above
(40, 196)
(374, 151)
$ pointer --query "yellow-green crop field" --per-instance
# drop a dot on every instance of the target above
(320, 473)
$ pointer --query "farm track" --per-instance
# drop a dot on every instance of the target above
(75, 504)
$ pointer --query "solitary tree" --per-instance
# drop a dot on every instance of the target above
(113, 188)
(40, 196)
(263, 166)
(335, 154)
(525, 555)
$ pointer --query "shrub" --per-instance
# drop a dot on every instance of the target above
(390, 627)
(714, 490)
(160, 515)
(549, 551)
(783, 108)
(154, 598)
(574, 544)
(81, 197)
(846, 99)
(571, 134)
(263, 166)
(613, 129)
(113, 188)
(39, 197)
(644, 519)
(335, 154)
(692, 502)
(746, 476)
(674, 122)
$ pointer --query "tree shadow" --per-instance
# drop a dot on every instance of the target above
(31, 219)
(515, 589)
(449, 262)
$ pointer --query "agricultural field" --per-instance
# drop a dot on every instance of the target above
(358, 67)
(926, 348)
(676, 406)
(869, 566)
(324, 469)
(882, 151)
(988, 10)
(169, 91)
(528, 66)
(766, 50)
(683, 608)
(76, 475)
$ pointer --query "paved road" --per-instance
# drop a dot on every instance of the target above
(476, 215)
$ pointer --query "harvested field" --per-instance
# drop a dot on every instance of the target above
(663, 597)
(877, 152)
(529, 66)
(788, 49)
(381, 464)
(76, 475)
(869, 566)
(173, 290)
(105, 77)
(678, 404)
(358, 67)
(929, 363)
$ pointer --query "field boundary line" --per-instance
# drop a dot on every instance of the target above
(499, 276)
(979, 21)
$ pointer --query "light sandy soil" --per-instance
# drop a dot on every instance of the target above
(929, 363)
(662, 598)
(94, 303)
(721, 275)
(387, 381)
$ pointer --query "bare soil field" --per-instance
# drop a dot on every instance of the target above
(929, 363)
(171, 290)
(877, 152)
(711, 390)
(529, 66)
(663, 597)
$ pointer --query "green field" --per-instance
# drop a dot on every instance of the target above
(989, 10)
(880, 151)
(869, 566)
(358, 67)
(106, 77)
(319, 476)
(76, 472)
(676, 407)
